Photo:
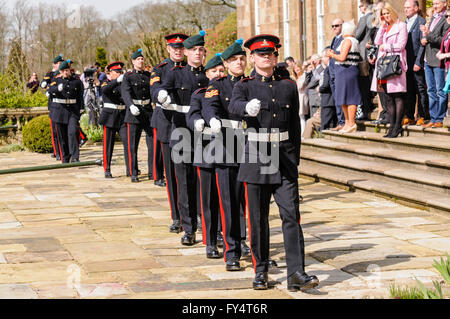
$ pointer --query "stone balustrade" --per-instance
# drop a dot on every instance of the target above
(16, 119)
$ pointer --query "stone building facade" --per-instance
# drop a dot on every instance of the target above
(304, 26)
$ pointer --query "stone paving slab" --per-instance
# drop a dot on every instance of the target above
(110, 239)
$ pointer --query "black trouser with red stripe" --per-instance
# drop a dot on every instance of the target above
(230, 195)
(171, 180)
(55, 143)
(209, 204)
(187, 196)
(68, 139)
(134, 132)
(156, 171)
(258, 202)
(109, 136)
(82, 135)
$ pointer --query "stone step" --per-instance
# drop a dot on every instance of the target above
(410, 196)
(381, 172)
(430, 145)
(410, 130)
(439, 164)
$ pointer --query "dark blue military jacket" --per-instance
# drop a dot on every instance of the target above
(72, 90)
(111, 93)
(136, 86)
(279, 112)
(48, 79)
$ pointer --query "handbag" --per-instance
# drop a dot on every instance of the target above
(388, 67)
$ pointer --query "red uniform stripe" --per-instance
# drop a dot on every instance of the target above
(249, 226)
(104, 148)
(222, 214)
(129, 150)
(53, 138)
(154, 154)
(201, 206)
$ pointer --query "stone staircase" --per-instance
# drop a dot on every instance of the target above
(414, 169)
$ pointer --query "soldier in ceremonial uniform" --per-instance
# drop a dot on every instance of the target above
(209, 199)
(270, 105)
(45, 84)
(218, 115)
(67, 97)
(112, 116)
(162, 120)
(136, 95)
(175, 93)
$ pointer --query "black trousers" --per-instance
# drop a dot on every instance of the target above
(209, 204)
(364, 86)
(171, 180)
(417, 91)
(68, 136)
(134, 132)
(328, 118)
(258, 201)
(230, 199)
(55, 143)
(157, 171)
(187, 196)
(395, 104)
(82, 135)
(109, 136)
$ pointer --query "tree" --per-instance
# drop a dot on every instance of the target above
(228, 3)
(222, 36)
(17, 63)
(100, 57)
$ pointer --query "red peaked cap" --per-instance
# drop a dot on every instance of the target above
(263, 43)
(115, 66)
(176, 39)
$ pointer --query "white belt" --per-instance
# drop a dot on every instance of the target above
(234, 124)
(175, 107)
(65, 101)
(114, 106)
(268, 137)
(207, 131)
(142, 102)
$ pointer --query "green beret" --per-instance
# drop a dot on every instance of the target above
(234, 49)
(137, 54)
(64, 65)
(214, 61)
(195, 40)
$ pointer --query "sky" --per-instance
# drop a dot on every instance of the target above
(108, 8)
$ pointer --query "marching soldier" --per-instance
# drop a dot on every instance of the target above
(45, 84)
(209, 199)
(112, 116)
(67, 97)
(162, 120)
(175, 93)
(218, 115)
(135, 91)
(271, 107)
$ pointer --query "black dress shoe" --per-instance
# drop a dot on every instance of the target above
(160, 183)
(219, 239)
(212, 252)
(83, 141)
(175, 227)
(261, 281)
(75, 160)
(135, 179)
(108, 175)
(245, 250)
(299, 281)
(272, 263)
(188, 239)
(233, 265)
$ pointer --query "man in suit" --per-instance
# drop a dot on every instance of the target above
(313, 84)
(434, 75)
(335, 43)
(415, 76)
(327, 104)
(362, 34)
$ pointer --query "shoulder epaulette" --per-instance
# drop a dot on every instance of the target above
(220, 77)
(178, 66)
(289, 80)
(199, 90)
(53, 83)
(161, 64)
(247, 79)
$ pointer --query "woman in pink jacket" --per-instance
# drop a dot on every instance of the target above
(391, 40)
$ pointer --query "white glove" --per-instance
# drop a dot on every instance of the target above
(47, 94)
(162, 96)
(60, 87)
(199, 125)
(253, 107)
(120, 78)
(43, 84)
(134, 110)
(216, 125)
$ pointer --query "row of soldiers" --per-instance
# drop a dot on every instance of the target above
(202, 100)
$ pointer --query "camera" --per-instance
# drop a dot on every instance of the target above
(90, 73)
(372, 52)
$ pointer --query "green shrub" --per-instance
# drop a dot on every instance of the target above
(37, 135)
(13, 95)
(93, 133)
(11, 148)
